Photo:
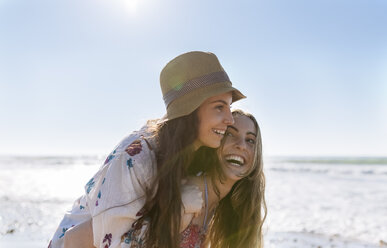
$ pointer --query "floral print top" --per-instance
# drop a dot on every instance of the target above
(192, 237)
(115, 194)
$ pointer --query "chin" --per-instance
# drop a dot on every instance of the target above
(215, 145)
(232, 176)
(235, 178)
(210, 140)
(218, 144)
(212, 144)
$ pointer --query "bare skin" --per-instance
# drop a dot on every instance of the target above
(80, 236)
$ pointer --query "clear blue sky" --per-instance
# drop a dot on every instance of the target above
(76, 76)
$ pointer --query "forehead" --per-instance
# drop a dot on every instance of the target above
(225, 97)
(244, 124)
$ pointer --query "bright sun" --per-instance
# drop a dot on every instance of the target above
(131, 5)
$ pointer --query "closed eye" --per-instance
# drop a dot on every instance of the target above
(220, 107)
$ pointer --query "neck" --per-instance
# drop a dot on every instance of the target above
(213, 199)
(223, 187)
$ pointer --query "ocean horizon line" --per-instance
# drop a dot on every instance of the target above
(311, 159)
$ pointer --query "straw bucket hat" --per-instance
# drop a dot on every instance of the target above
(190, 79)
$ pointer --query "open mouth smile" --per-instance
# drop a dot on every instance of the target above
(219, 132)
(235, 160)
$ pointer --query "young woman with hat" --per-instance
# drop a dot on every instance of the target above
(233, 187)
(147, 167)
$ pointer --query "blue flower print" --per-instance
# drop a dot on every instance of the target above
(129, 163)
(64, 230)
(103, 180)
(109, 158)
(81, 207)
(133, 237)
(127, 240)
(90, 185)
(99, 194)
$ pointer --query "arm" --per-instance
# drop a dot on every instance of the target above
(80, 236)
(192, 199)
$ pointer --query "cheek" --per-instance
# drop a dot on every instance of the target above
(226, 145)
(211, 119)
(202, 130)
(204, 136)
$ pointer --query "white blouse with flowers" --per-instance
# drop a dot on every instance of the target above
(115, 195)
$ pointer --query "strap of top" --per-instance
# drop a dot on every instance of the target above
(206, 204)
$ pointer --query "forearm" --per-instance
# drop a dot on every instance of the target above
(80, 236)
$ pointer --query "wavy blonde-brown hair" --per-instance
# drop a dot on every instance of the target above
(163, 204)
(239, 217)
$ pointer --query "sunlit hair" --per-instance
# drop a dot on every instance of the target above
(238, 219)
(174, 153)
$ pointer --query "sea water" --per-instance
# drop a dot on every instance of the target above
(327, 199)
(326, 202)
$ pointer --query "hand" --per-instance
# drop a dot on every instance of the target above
(192, 198)
(80, 236)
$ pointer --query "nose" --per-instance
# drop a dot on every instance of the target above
(241, 144)
(228, 118)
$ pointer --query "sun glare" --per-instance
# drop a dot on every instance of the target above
(131, 6)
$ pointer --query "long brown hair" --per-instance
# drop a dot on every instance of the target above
(163, 205)
(238, 219)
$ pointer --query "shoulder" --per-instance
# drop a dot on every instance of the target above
(125, 175)
(196, 180)
(140, 145)
(136, 153)
(134, 143)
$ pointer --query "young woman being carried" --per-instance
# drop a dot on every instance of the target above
(233, 187)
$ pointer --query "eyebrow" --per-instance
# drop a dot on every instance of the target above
(236, 129)
(221, 101)
(255, 135)
(232, 127)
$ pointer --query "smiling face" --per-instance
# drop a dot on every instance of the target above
(214, 116)
(237, 155)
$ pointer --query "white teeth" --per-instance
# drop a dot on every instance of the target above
(236, 158)
(235, 164)
(221, 132)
